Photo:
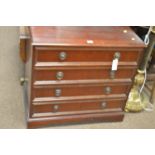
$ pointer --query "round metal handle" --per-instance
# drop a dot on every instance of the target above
(112, 74)
(55, 108)
(117, 55)
(59, 75)
(58, 92)
(108, 90)
(23, 80)
(103, 104)
(62, 55)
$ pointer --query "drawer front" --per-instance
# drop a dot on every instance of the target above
(55, 109)
(83, 74)
(76, 90)
(46, 55)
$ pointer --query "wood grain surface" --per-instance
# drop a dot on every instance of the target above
(88, 82)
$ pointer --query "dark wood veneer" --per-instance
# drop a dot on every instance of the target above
(82, 74)
(76, 90)
(76, 107)
(87, 72)
(84, 118)
(85, 56)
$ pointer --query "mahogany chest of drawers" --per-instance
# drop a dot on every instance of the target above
(79, 74)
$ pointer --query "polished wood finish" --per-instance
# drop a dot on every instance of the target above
(82, 74)
(78, 36)
(84, 118)
(69, 73)
(75, 107)
(81, 55)
(77, 90)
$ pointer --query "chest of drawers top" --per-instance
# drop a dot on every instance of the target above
(98, 36)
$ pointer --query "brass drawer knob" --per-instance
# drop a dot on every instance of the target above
(112, 74)
(108, 90)
(103, 104)
(23, 80)
(58, 92)
(59, 75)
(55, 108)
(117, 55)
(62, 55)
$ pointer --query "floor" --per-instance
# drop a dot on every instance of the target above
(11, 97)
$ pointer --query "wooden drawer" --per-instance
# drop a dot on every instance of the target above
(81, 74)
(76, 107)
(81, 90)
(55, 55)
